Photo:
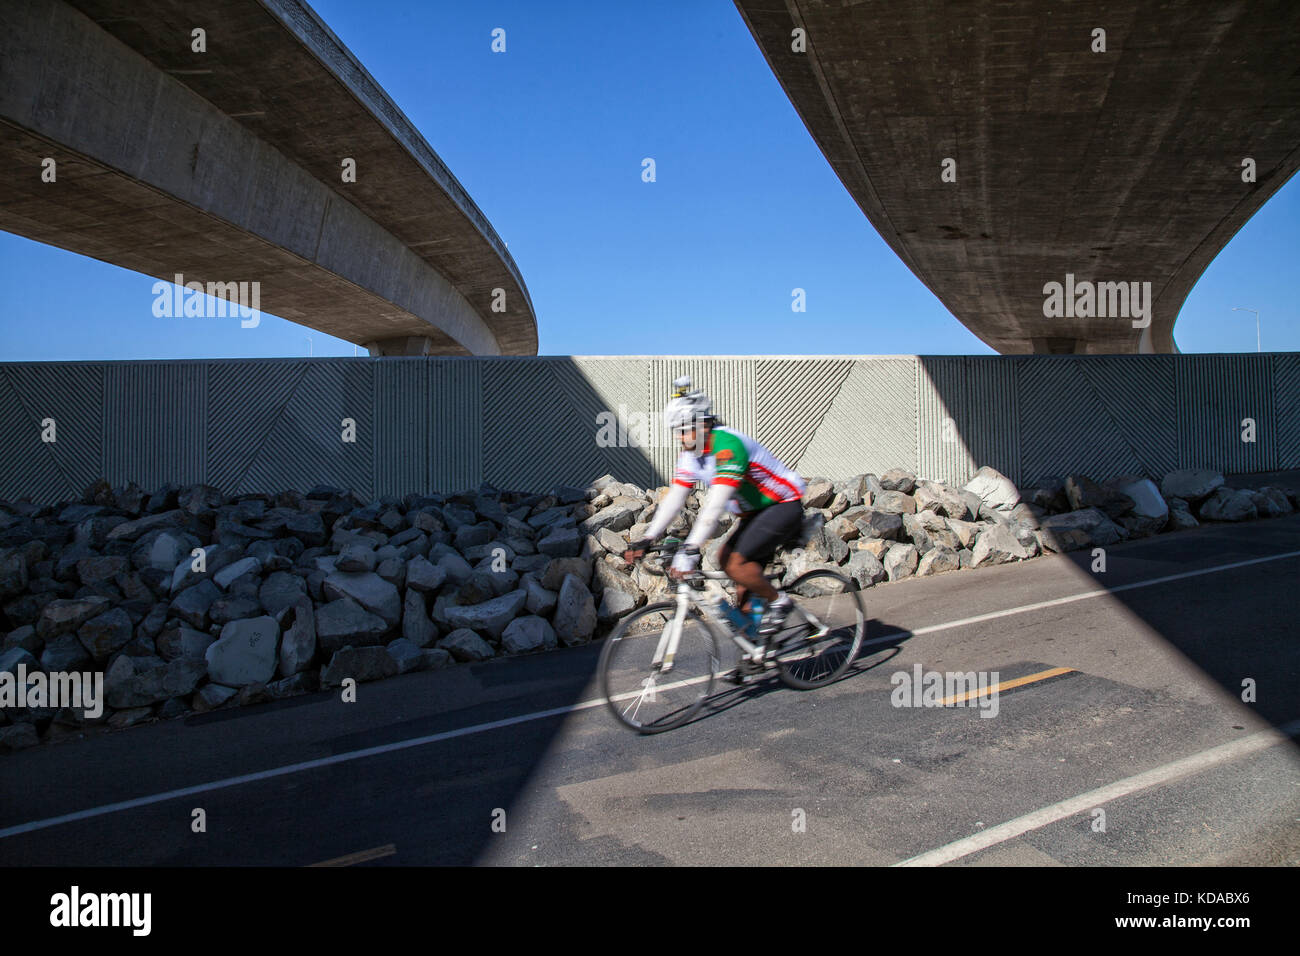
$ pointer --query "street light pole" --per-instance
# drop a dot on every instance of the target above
(1256, 311)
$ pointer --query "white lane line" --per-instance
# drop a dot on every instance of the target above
(1094, 798)
(556, 711)
(1101, 592)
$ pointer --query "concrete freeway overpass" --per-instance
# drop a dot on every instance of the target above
(227, 165)
(1123, 165)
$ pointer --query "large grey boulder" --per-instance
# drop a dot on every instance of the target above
(1272, 502)
(106, 634)
(368, 589)
(1100, 530)
(938, 561)
(411, 658)
(854, 489)
(560, 567)
(466, 646)
(563, 542)
(1048, 493)
(614, 605)
(612, 542)
(538, 600)
(1083, 492)
(131, 530)
(894, 502)
(235, 570)
(245, 653)
(298, 642)
(13, 573)
(1146, 497)
(423, 576)
(280, 590)
(101, 569)
(359, 663)
(865, 568)
(900, 561)
(880, 524)
(1193, 485)
(11, 657)
(966, 531)
(1228, 504)
(818, 493)
(65, 615)
(999, 545)
(489, 617)
(215, 557)
(417, 627)
(619, 515)
(344, 622)
(575, 612)
(940, 499)
(898, 479)
(994, 488)
(183, 641)
(1180, 516)
(141, 681)
(356, 558)
(65, 653)
(528, 633)
(455, 569)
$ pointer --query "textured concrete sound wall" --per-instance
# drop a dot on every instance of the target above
(530, 423)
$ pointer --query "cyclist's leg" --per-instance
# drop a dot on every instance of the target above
(724, 559)
(755, 544)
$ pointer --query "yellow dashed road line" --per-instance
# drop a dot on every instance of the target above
(1006, 685)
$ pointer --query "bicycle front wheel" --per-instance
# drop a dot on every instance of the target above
(647, 690)
(823, 632)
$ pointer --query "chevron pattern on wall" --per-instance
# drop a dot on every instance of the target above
(155, 423)
(304, 446)
(536, 432)
(870, 425)
(531, 423)
(792, 399)
(1286, 388)
(73, 396)
(1065, 425)
(244, 401)
(1215, 394)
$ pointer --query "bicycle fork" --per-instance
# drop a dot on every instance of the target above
(666, 650)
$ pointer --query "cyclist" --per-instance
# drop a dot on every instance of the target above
(742, 475)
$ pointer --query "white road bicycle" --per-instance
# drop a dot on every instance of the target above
(659, 665)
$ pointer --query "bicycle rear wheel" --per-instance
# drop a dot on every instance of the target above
(823, 632)
(652, 697)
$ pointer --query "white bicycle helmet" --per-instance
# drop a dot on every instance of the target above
(687, 407)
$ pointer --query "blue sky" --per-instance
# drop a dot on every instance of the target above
(548, 139)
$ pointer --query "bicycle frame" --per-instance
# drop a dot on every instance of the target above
(666, 650)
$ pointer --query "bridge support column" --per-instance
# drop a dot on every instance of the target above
(403, 345)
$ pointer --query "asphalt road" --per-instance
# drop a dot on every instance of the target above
(517, 762)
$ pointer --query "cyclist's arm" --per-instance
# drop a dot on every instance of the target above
(720, 493)
(668, 509)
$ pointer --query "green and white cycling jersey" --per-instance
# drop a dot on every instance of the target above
(733, 458)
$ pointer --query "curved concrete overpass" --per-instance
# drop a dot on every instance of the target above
(226, 165)
(1069, 164)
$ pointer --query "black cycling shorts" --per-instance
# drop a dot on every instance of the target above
(757, 536)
